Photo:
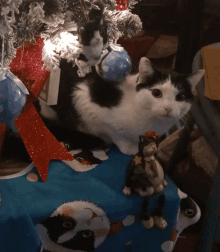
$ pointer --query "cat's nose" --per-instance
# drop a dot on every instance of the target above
(168, 110)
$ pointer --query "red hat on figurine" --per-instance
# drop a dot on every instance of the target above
(153, 135)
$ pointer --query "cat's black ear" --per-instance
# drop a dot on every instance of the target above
(145, 69)
(194, 79)
(141, 138)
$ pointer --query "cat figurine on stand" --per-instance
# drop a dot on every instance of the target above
(145, 176)
(93, 38)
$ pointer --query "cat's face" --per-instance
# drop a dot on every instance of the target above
(150, 149)
(74, 226)
(165, 95)
(147, 146)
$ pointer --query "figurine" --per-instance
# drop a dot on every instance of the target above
(146, 177)
(145, 174)
(93, 38)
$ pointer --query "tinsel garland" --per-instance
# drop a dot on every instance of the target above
(10, 51)
(7, 15)
(129, 25)
(62, 45)
(26, 29)
(24, 21)
(131, 4)
(111, 21)
(123, 23)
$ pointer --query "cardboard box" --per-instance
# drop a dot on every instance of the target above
(211, 63)
(49, 94)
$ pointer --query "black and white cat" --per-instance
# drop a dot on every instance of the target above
(118, 112)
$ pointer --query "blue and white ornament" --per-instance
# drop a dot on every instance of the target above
(13, 95)
(115, 64)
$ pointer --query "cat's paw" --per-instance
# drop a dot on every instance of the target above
(127, 190)
(148, 223)
(160, 222)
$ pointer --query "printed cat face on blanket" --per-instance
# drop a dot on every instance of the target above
(78, 226)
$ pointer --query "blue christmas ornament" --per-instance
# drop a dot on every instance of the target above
(13, 95)
(115, 64)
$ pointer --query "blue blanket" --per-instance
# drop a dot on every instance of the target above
(81, 211)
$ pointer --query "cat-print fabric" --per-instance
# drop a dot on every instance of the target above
(189, 213)
(78, 225)
(80, 211)
(85, 160)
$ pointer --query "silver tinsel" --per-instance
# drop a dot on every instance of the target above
(50, 18)
(124, 23)
(129, 24)
(132, 3)
(10, 51)
(26, 29)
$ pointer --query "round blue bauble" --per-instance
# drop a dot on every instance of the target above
(115, 64)
(13, 95)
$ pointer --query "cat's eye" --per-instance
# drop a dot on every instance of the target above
(86, 234)
(189, 212)
(180, 97)
(156, 93)
(67, 224)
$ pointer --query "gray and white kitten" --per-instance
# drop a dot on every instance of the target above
(119, 112)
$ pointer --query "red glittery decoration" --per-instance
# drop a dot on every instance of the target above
(29, 67)
(41, 145)
(2, 134)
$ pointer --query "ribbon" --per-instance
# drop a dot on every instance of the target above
(41, 145)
